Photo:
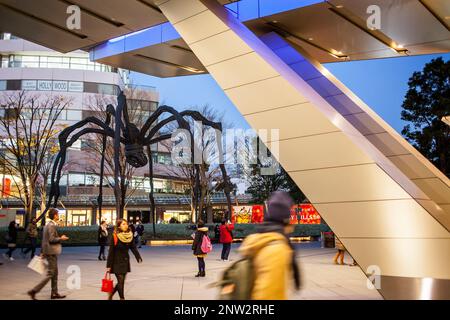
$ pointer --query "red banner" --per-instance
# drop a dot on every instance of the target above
(257, 213)
(6, 187)
(308, 214)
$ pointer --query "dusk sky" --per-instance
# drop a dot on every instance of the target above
(382, 84)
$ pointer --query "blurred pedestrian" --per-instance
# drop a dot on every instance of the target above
(32, 236)
(217, 233)
(139, 232)
(271, 253)
(51, 248)
(340, 251)
(118, 257)
(197, 248)
(102, 239)
(226, 238)
(11, 240)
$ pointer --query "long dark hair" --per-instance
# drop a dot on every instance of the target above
(118, 223)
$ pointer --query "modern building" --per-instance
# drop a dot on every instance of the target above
(389, 205)
(89, 86)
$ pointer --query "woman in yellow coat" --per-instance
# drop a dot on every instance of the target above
(273, 256)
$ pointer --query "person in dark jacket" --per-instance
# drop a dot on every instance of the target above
(102, 239)
(11, 240)
(226, 238)
(118, 258)
(32, 236)
(139, 232)
(197, 248)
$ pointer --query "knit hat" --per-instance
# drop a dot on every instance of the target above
(279, 207)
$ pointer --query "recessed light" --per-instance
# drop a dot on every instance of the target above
(311, 39)
(339, 6)
(447, 17)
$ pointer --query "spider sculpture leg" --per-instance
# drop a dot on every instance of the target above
(151, 195)
(61, 158)
(109, 113)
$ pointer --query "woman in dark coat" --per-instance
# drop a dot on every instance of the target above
(11, 240)
(102, 239)
(197, 248)
(118, 258)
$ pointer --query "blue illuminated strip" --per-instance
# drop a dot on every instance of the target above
(244, 10)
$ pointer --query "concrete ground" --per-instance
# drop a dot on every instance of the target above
(168, 273)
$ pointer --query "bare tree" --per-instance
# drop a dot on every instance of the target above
(28, 131)
(210, 175)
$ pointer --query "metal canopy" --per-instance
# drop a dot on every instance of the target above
(330, 31)
(44, 21)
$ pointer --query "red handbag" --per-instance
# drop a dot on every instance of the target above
(107, 283)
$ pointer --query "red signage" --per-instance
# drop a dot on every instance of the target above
(308, 214)
(300, 214)
(6, 187)
(257, 213)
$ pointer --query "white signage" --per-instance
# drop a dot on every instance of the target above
(76, 86)
(45, 85)
(29, 85)
(59, 85)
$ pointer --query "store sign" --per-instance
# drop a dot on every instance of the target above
(76, 86)
(304, 214)
(60, 85)
(29, 85)
(45, 85)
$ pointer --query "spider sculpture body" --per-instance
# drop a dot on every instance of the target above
(136, 143)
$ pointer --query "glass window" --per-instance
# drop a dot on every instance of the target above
(63, 115)
(77, 179)
(92, 180)
(4, 62)
(2, 85)
(74, 115)
(109, 216)
(106, 89)
(14, 85)
(79, 217)
(30, 62)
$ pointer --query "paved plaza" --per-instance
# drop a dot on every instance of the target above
(168, 273)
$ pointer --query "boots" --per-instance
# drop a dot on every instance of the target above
(201, 274)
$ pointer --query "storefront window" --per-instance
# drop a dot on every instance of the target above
(108, 215)
(77, 217)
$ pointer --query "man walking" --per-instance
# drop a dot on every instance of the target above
(51, 248)
(139, 232)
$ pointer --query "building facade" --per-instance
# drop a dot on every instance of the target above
(89, 86)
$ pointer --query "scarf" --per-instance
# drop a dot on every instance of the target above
(125, 237)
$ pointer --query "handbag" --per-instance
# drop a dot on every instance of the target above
(38, 264)
(107, 283)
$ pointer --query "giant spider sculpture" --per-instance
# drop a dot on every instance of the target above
(137, 143)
